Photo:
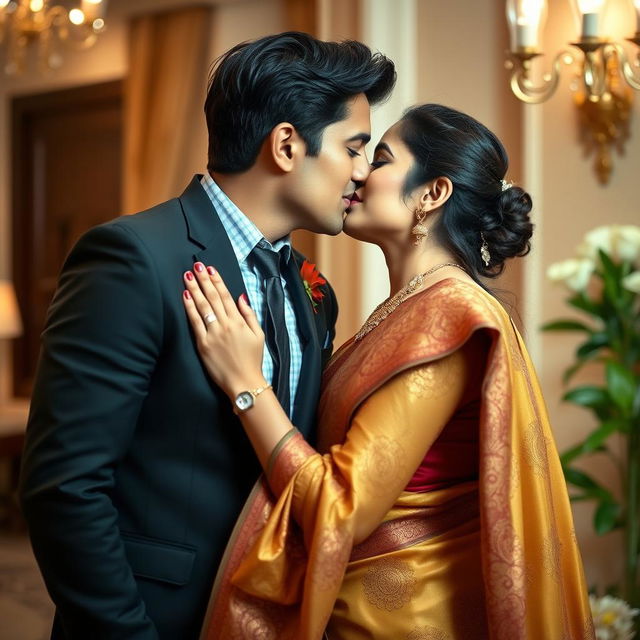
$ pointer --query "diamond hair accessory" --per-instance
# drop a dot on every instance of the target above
(506, 184)
(484, 251)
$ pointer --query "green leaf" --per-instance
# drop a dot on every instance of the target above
(582, 302)
(565, 325)
(597, 437)
(587, 483)
(606, 261)
(574, 368)
(605, 518)
(578, 450)
(595, 342)
(581, 497)
(588, 396)
(622, 386)
(571, 454)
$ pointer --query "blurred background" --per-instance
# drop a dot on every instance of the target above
(110, 121)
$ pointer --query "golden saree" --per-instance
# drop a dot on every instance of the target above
(344, 548)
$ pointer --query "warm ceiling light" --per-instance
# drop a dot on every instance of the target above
(35, 23)
(76, 16)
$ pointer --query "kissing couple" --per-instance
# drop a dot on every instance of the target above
(198, 461)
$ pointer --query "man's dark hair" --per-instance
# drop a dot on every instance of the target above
(289, 77)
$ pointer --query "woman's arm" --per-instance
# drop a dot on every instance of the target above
(387, 439)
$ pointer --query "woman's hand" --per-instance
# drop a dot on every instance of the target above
(229, 338)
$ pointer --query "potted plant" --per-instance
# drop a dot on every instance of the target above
(603, 280)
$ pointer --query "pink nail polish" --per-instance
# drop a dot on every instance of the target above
(212, 271)
(244, 299)
(187, 295)
(199, 267)
(188, 275)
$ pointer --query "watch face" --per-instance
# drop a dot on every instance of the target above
(244, 401)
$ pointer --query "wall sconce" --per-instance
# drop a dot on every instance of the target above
(23, 22)
(603, 97)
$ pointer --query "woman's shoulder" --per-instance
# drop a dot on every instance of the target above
(442, 318)
(454, 301)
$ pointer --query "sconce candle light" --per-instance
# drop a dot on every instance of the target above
(604, 97)
(23, 22)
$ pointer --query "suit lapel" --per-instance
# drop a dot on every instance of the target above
(207, 232)
(213, 247)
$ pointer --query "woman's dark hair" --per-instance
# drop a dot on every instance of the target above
(289, 77)
(448, 143)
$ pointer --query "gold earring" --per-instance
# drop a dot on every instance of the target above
(420, 231)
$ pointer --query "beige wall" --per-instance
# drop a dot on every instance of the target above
(472, 78)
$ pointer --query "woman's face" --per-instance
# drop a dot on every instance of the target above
(384, 214)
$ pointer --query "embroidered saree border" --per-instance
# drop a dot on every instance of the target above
(401, 533)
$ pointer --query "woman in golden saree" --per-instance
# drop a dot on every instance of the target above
(434, 505)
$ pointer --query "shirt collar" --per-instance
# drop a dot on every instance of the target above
(242, 232)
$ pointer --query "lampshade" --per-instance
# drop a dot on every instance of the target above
(10, 324)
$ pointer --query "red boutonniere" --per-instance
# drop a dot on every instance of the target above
(312, 282)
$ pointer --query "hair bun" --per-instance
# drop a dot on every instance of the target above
(508, 230)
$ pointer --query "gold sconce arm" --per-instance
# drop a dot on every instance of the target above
(522, 85)
(614, 48)
(593, 72)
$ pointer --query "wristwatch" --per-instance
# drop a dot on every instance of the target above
(246, 399)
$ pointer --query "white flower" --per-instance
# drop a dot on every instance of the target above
(629, 243)
(574, 273)
(598, 238)
(612, 618)
(619, 242)
(632, 282)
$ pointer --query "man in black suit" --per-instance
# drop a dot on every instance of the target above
(135, 467)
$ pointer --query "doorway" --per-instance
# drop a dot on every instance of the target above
(66, 166)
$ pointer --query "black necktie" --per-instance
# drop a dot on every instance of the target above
(275, 328)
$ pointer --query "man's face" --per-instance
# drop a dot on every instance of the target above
(323, 185)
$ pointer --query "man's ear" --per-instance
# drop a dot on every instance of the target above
(436, 194)
(285, 146)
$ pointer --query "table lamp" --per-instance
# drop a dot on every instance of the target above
(10, 323)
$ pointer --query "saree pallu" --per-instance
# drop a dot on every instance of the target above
(496, 559)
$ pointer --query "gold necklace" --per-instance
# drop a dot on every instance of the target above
(389, 305)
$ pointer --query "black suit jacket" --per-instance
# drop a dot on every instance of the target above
(135, 468)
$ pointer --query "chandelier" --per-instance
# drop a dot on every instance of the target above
(35, 24)
(602, 90)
